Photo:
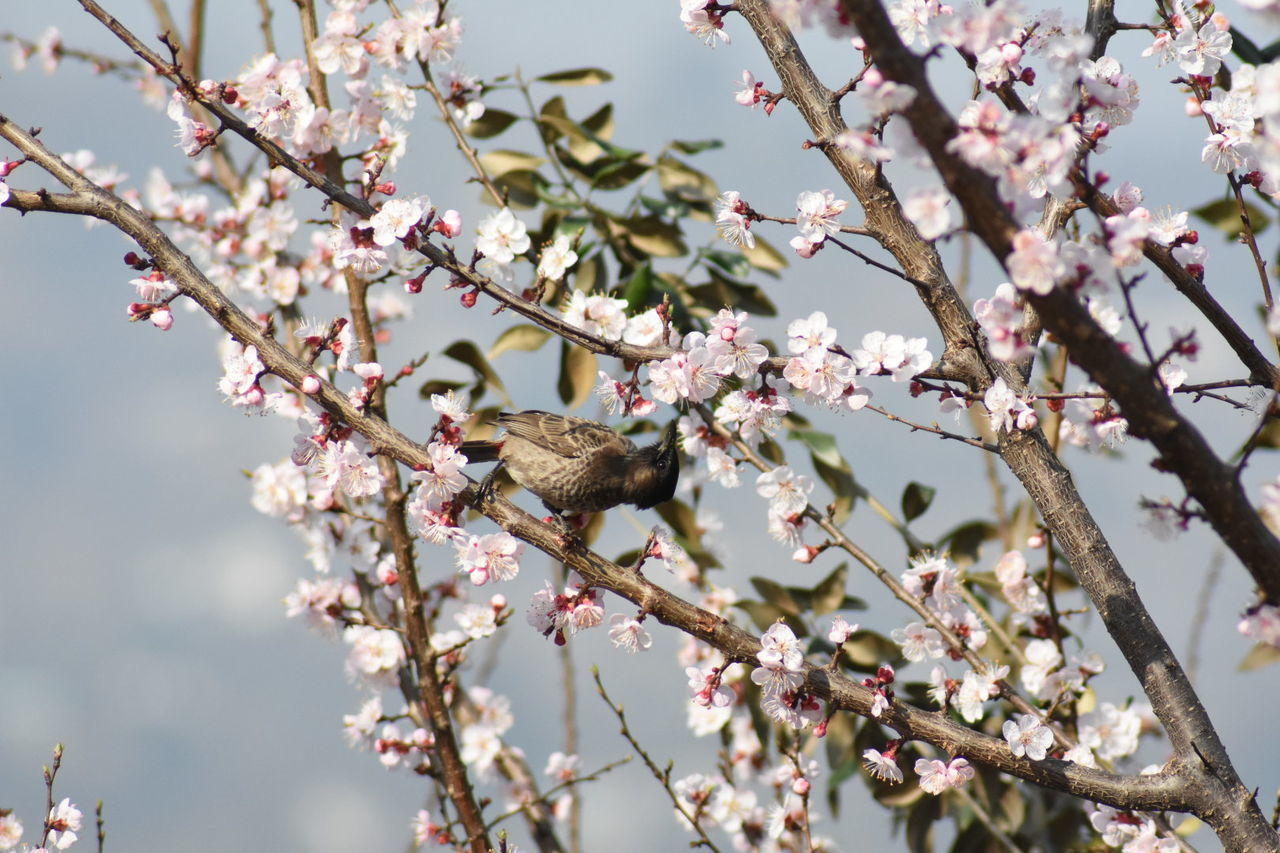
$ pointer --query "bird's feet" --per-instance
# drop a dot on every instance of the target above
(485, 492)
(568, 528)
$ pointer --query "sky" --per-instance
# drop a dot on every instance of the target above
(141, 622)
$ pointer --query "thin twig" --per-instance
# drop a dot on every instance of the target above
(663, 776)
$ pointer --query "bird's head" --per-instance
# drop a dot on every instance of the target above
(661, 470)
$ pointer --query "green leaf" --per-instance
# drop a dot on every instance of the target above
(916, 498)
(492, 123)
(731, 263)
(833, 470)
(577, 375)
(763, 614)
(467, 353)
(576, 77)
(522, 189)
(503, 161)
(924, 813)
(764, 257)
(696, 146)
(523, 336)
(681, 181)
(438, 386)
(823, 446)
(963, 542)
(1243, 47)
(1259, 656)
(653, 236)
(828, 595)
(575, 148)
(639, 288)
(1224, 214)
(722, 291)
(617, 174)
(588, 273)
(680, 517)
(600, 123)
(865, 650)
(777, 595)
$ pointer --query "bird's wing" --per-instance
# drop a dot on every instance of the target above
(565, 435)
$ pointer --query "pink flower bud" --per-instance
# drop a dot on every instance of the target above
(800, 787)
(162, 319)
(450, 224)
(1192, 107)
(311, 384)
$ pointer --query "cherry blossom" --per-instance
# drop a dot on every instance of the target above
(751, 92)
(396, 218)
(557, 258)
(1262, 623)
(490, 558)
(1027, 736)
(1034, 264)
(882, 765)
(10, 831)
(1201, 51)
(597, 314)
(628, 634)
(733, 346)
(786, 491)
(781, 660)
(733, 221)
(810, 333)
(1006, 410)
(1110, 732)
(919, 641)
(817, 212)
(706, 24)
(502, 237)
(937, 776)
(376, 654)
(927, 210)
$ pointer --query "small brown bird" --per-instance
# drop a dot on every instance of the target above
(576, 465)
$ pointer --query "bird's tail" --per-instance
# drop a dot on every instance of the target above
(480, 451)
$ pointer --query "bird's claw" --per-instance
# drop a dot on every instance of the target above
(485, 491)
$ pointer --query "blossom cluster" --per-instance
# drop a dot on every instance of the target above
(780, 677)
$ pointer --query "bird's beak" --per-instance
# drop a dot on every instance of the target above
(668, 442)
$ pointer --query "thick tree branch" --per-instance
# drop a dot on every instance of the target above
(1155, 792)
(1234, 814)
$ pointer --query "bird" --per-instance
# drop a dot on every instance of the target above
(576, 465)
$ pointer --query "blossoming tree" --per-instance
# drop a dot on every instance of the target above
(972, 704)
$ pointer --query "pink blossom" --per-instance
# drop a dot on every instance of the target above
(490, 558)
(937, 776)
(502, 237)
(882, 765)
(1007, 410)
(786, 491)
(1027, 736)
(750, 93)
(817, 212)
(396, 218)
(628, 634)
(1001, 317)
(1034, 263)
